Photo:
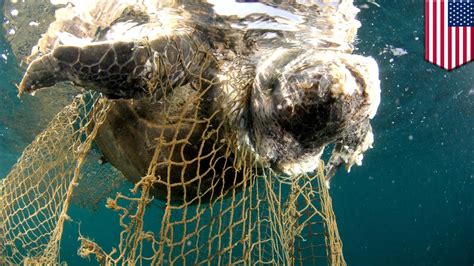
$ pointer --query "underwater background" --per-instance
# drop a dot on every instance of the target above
(412, 201)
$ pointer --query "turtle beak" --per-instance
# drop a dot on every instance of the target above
(42, 72)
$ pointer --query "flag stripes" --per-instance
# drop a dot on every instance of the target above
(446, 46)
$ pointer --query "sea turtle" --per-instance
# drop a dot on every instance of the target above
(282, 81)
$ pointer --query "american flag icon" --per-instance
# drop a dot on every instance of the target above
(449, 32)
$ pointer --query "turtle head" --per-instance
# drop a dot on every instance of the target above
(302, 101)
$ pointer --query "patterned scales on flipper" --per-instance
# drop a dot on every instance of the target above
(105, 65)
(118, 69)
(100, 65)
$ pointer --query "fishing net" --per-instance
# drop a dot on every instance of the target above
(204, 197)
(257, 218)
(269, 222)
(35, 196)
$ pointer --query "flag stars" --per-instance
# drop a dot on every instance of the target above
(461, 13)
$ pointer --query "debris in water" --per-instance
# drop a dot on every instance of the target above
(398, 51)
(374, 3)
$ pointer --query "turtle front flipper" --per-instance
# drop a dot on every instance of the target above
(118, 69)
(115, 69)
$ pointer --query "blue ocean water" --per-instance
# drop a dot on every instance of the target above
(412, 202)
(10, 142)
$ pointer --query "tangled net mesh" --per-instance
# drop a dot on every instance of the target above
(263, 219)
(35, 196)
(237, 212)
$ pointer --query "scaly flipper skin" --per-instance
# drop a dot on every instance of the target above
(112, 68)
(120, 69)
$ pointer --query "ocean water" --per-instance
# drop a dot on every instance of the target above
(412, 201)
